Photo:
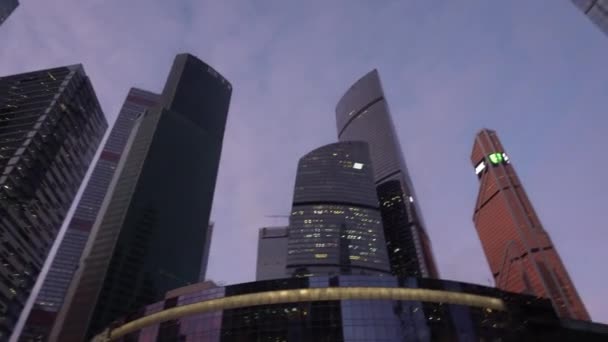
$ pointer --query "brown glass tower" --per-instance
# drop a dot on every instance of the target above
(520, 252)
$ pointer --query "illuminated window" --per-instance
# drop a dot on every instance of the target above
(321, 255)
(480, 167)
(357, 166)
(354, 257)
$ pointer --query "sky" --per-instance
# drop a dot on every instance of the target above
(533, 70)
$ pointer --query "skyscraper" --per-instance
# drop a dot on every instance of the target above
(206, 250)
(363, 114)
(272, 253)
(151, 237)
(68, 256)
(596, 11)
(6, 8)
(335, 225)
(521, 255)
(51, 125)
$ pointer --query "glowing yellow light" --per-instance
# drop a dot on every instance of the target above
(307, 295)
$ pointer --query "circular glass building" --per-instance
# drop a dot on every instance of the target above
(348, 308)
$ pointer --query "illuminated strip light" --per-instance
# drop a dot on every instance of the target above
(480, 167)
(308, 295)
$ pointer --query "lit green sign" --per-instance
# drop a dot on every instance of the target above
(495, 158)
(498, 158)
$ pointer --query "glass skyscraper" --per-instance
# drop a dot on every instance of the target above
(596, 11)
(363, 114)
(272, 253)
(6, 8)
(68, 256)
(335, 225)
(520, 252)
(152, 235)
(51, 125)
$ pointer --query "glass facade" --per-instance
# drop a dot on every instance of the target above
(51, 125)
(349, 308)
(596, 11)
(68, 256)
(520, 252)
(363, 114)
(272, 253)
(152, 235)
(335, 225)
(206, 250)
(6, 8)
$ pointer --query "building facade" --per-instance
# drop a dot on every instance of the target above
(151, 237)
(596, 11)
(51, 125)
(520, 252)
(50, 297)
(335, 225)
(272, 253)
(6, 8)
(349, 308)
(206, 251)
(363, 114)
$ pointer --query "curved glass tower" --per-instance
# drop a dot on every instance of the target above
(335, 224)
(363, 114)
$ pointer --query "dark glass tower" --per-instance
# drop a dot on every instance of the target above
(206, 250)
(335, 225)
(50, 127)
(363, 114)
(68, 256)
(151, 237)
(6, 8)
(596, 11)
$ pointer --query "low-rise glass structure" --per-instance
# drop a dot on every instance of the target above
(349, 308)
